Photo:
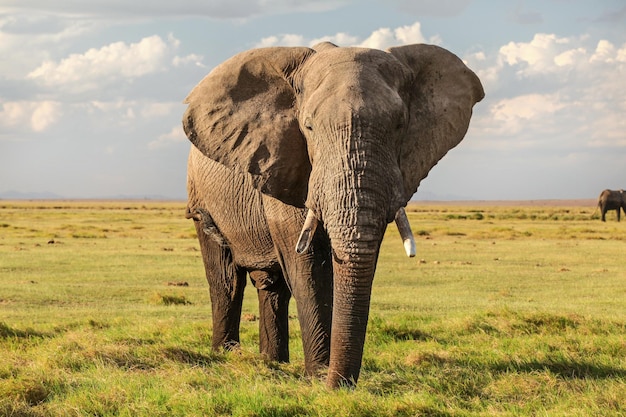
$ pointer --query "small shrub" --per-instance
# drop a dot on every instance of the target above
(456, 234)
(478, 216)
(165, 299)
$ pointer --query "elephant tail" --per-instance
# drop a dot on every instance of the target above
(209, 228)
(596, 210)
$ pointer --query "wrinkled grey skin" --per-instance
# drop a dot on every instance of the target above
(612, 200)
(243, 231)
(344, 134)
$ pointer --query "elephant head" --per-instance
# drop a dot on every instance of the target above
(348, 133)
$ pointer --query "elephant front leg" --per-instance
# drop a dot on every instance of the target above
(309, 277)
(311, 281)
(226, 305)
(226, 287)
(274, 296)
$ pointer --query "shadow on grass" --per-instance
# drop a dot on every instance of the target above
(565, 369)
(404, 333)
(190, 358)
(397, 332)
(9, 332)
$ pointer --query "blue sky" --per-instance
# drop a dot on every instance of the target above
(91, 90)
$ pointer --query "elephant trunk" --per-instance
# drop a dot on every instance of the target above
(355, 223)
(353, 277)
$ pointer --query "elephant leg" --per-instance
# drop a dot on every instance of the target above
(310, 279)
(618, 213)
(274, 296)
(315, 311)
(226, 286)
(603, 210)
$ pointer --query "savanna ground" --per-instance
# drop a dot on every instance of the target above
(507, 310)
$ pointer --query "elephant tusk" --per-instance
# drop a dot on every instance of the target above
(405, 232)
(306, 235)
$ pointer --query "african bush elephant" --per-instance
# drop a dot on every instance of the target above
(289, 138)
(612, 200)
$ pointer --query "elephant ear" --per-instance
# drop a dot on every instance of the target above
(442, 94)
(242, 115)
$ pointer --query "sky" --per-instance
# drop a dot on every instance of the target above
(91, 91)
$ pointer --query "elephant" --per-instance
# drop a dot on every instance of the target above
(300, 158)
(612, 200)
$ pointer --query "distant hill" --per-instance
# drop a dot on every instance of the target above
(17, 195)
(428, 196)
(579, 202)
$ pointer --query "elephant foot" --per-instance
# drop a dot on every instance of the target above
(229, 346)
(232, 346)
(319, 371)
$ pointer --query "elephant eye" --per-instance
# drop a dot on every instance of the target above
(307, 124)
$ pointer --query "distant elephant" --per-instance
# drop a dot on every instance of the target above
(612, 200)
(287, 138)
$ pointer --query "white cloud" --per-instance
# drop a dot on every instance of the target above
(173, 137)
(552, 93)
(281, 40)
(97, 67)
(36, 116)
(516, 114)
(45, 114)
(341, 39)
(191, 59)
(382, 38)
(527, 107)
(604, 51)
(12, 113)
(29, 39)
(548, 54)
(536, 56)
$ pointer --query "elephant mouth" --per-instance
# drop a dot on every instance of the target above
(402, 222)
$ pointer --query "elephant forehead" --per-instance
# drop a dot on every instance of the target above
(355, 68)
(346, 87)
(352, 54)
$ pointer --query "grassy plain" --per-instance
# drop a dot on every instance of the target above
(506, 310)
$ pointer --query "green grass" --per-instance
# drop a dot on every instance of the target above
(505, 311)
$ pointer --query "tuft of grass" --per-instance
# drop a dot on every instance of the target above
(169, 299)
